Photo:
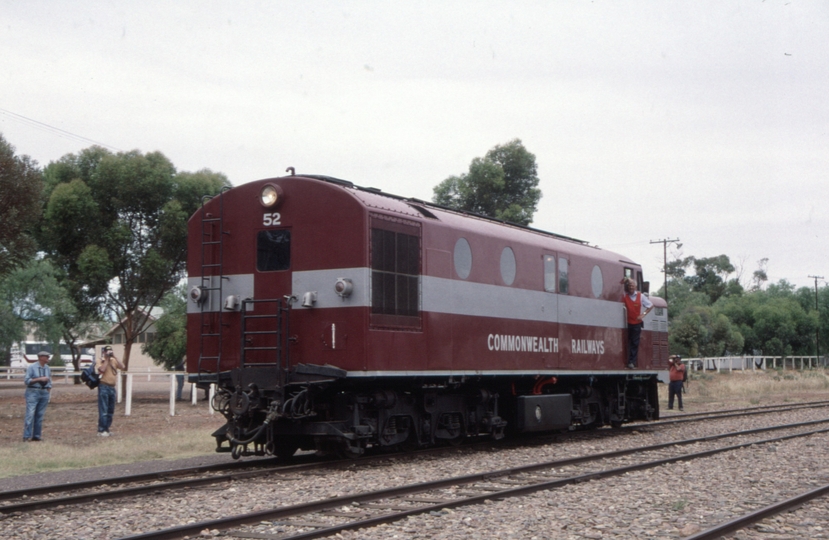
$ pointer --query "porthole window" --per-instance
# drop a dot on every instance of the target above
(463, 258)
(596, 281)
(508, 266)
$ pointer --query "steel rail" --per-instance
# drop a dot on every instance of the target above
(264, 467)
(779, 406)
(715, 533)
(696, 417)
(758, 515)
(346, 500)
(259, 472)
(132, 478)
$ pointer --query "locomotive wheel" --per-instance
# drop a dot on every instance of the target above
(455, 441)
(285, 450)
(411, 443)
(346, 450)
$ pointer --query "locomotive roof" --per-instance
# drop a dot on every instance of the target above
(423, 207)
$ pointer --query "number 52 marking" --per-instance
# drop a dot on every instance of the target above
(272, 219)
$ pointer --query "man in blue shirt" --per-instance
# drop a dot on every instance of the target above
(38, 385)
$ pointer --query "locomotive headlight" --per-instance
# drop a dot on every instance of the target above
(343, 287)
(270, 196)
(197, 295)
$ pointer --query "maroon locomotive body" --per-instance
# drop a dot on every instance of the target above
(334, 317)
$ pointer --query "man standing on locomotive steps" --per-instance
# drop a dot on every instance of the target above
(634, 302)
(106, 390)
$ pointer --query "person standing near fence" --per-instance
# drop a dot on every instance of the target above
(38, 382)
(107, 369)
(180, 378)
(677, 377)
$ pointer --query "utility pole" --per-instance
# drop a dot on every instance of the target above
(817, 328)
(665, 243)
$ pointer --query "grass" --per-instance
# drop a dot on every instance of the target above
(753, 388)
(31, 458)
(679, 505)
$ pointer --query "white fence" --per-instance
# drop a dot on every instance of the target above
(123, 390)
(126, 395)
(7, 373)
(744, 363)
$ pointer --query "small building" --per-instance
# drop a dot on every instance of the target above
(139, 360)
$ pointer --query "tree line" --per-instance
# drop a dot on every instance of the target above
(100, 238)
(713, 313)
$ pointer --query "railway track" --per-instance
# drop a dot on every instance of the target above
(725, 413)
(329, 516)
(752, 518)
(201, 476)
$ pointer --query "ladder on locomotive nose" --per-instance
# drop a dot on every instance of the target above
(210, 320)
(266, 337)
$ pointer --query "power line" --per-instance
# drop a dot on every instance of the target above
(817, 328)
(52, 129)
(665, 243)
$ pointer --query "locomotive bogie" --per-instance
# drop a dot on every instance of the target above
(351, 416)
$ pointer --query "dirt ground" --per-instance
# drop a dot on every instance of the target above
(72, 415)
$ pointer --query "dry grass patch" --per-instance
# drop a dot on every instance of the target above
(710, 390)
(70, 438)
(46, 456)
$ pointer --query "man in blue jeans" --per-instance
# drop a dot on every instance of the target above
(107, 369)
(38, 387)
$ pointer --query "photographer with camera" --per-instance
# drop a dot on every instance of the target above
(38, 382)
(107, 369)
(677, 377)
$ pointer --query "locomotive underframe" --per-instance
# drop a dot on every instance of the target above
(323, 409)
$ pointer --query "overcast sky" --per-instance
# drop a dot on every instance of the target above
(706, 121)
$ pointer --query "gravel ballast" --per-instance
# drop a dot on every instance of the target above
(671, 501)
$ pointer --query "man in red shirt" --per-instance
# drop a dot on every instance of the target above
(677, 377)
(634, 302)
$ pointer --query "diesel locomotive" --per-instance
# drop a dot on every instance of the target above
(337, 318)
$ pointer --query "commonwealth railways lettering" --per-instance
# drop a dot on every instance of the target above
(498, 342)
(586, 346)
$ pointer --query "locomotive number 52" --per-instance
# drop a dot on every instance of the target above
(272, 219)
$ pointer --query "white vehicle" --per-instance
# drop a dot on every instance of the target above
(25, 353)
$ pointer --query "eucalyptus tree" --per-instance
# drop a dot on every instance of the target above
(170, 343)
(31, 297)
(503, 184)
(116, 225)
(21, 188)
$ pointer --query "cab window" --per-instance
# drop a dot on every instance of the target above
(273, 250)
